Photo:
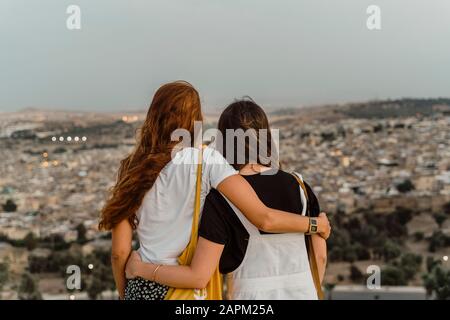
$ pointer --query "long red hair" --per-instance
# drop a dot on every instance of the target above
(175, 105)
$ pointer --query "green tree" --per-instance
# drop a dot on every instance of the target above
(4, 274)
(30, 241)
(329, 287)
(438, 240)
(54, 242)
(338, 244)
(418, 236)
(37, 264)
(391, 250)
(28, 288)
(364, 236)
(362, 253)
(410, 263)
(393, 276)
(101, 277)
(431, 263)
(405, 186)
(440, 219)
(437, 282)
(9, 206)
(404, 215)
(394, 226)
(350, 254)
(81, 231)
(94, 288)
(355, 274)
(446, 208)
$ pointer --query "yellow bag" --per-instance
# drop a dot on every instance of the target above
(213, 290)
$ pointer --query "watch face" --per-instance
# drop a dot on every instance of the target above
(314, 228)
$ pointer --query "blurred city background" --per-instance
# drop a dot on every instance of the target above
(363, 114)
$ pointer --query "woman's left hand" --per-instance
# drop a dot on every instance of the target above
(132, 265)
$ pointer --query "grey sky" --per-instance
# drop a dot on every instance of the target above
(282, 53)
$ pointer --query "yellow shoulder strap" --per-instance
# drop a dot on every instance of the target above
(196, 217)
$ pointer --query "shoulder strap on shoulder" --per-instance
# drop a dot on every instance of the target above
(303, 192)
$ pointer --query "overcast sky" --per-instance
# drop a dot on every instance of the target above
(280, 52)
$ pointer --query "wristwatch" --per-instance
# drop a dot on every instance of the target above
(313, 228)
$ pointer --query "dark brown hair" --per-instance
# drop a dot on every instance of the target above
(175, 105)
(245, 114)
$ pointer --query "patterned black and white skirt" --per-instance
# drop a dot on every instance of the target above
(141, 289)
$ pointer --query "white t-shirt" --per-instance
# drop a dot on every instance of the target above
(165, 216)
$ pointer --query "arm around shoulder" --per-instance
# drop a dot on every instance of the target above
(236, 189)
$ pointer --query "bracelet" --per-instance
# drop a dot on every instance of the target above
(154, 272)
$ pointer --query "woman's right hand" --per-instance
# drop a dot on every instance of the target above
(323, 225)
(131, 269)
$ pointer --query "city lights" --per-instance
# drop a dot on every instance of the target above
(130, 119)
(69, 139)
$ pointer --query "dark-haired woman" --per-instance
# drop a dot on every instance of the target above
(155, 188)
(259, 265)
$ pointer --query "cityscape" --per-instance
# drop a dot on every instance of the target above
(381, 170)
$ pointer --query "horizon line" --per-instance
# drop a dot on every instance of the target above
(218, 109)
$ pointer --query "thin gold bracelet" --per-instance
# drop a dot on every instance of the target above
(154, 272)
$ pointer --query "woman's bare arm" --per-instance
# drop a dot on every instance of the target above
(242, 195)
(196, 275)
(122, 235)
(320, 251)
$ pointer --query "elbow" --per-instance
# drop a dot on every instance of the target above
(266, 224)
(200, 282)
(119, 255)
